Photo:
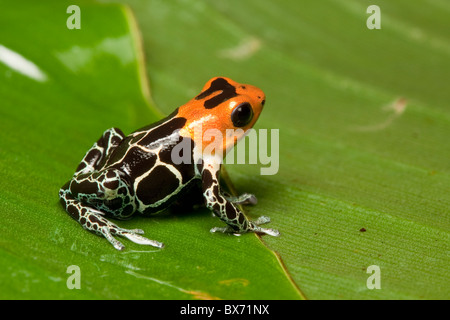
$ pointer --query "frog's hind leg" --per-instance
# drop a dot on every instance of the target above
(94, 220)
(102, 189)
(88, 197)
(96, 156)
(91, 190)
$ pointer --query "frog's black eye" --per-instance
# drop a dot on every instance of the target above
(242, 115)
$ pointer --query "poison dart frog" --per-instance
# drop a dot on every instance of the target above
(122, 175)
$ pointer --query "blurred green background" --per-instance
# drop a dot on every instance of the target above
(364, 127)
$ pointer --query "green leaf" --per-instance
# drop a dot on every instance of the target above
(60, 89)
(364, 129)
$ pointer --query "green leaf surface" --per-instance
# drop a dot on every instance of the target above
(60, 89)
(364, 123)
(364, 128)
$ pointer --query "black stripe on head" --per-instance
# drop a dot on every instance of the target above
(220, 84)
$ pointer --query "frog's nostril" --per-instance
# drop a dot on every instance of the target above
(262, 102)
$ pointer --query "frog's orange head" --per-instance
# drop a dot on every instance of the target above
(222, 105)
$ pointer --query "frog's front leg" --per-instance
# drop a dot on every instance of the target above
(225, 209)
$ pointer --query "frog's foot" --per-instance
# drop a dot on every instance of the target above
(245, 198)
(108, 229)
(253, 227)
(95, 221)
(132, 234)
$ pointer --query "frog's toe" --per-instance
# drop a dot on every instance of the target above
(261, 220)
(138, 231)
(249, 199)
(136, 238)
(253, 228)
(269, 231)
(116, 243)
(226, 229)
(131, 234)
(245, 198)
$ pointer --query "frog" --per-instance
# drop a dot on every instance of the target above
(121, 176)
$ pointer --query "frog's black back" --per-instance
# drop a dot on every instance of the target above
(145, 158)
